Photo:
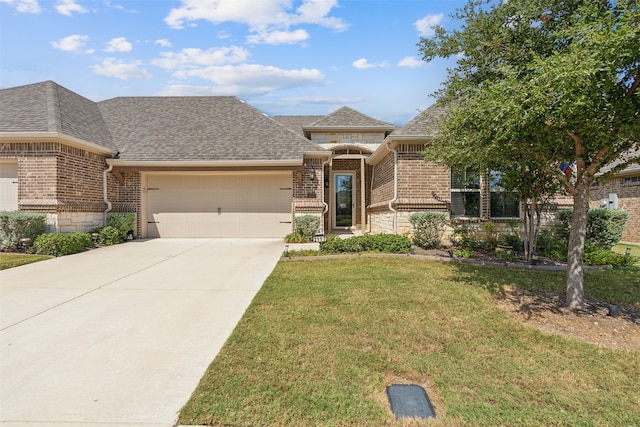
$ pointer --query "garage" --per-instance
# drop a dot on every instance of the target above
(8, 185)
(218, 204)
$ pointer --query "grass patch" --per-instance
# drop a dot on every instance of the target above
(621, 248)
(323, 338)
(10, 260)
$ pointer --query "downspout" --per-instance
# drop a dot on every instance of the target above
(104, 193)
(326, 205)
(395, 186)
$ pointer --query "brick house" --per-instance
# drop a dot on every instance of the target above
(217, 167)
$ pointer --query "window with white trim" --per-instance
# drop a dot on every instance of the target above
(631, 180)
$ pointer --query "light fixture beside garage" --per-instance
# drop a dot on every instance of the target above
(312, 174)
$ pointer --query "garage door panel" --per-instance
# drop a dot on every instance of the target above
(219, 205)
(8, 186)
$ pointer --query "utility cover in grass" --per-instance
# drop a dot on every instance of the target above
(410, 401)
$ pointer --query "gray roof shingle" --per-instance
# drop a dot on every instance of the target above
(348, 117)
(297, 123)
(49, 107)
(423, 125)
(219, 128)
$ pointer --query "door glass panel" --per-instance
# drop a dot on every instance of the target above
(344, 200)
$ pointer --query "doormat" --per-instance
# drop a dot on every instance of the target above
(410, 401)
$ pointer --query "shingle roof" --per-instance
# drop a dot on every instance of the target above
(49, 107)
(296, 123)
(219, 128)
(348, 117)
(424, 124)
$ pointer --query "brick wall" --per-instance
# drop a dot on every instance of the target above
(628, 200)
(124, 193)
(307, 193)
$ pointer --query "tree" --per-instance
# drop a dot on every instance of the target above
(540, 83)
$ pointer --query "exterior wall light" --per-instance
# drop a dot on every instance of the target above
(312, 174)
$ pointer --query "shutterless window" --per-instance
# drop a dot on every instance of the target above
(465, 193)
(632, 180)
(503, 204)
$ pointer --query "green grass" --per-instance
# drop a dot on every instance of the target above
(323, 338)
(10, 260)
(621, 248)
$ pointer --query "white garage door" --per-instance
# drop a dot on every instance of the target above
(8, 186)
(219, 205)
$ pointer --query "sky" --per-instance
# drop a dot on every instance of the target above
(284, 57)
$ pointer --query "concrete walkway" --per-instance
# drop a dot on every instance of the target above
(120, 336)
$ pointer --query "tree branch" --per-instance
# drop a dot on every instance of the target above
(633, 88)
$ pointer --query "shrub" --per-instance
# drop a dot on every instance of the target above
(464, 237)
(428, 228)
(16, 225)
(512, 240)
(295, 238)
(307, 225)
(58, 244)
(123, 222)
(604, 226)
(381, 243)
(490, 238)
(110, 236)
(594, 255)
(550, 245)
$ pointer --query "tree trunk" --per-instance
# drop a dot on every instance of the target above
(575, 289)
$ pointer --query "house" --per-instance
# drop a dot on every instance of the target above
(217, 167)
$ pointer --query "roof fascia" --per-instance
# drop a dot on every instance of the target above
(55, 137)
(209, 163)
(348, 128)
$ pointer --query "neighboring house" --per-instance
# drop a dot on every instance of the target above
(217, 167)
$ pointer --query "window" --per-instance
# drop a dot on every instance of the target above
(503, 204)
(632, 180)
(465, 194)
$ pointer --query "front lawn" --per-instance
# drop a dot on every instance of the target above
(323, 338)
(10, 260)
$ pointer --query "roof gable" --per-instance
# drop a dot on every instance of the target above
(49, 107)
(424, 125)
(346, 117)
(296, 123)
(217, 128)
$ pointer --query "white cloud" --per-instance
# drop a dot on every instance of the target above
(410, 62)
(363, 64)
(67, 7)
(119, 44)
(24, 6)
(71, 43)
(163, 42)
(112, 67)
(278, 37)
(265, 16)
(194, 57)
(254, 79)
(426, 24)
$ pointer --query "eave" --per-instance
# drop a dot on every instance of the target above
(55, 137)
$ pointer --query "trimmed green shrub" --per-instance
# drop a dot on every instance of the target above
(59, 244)
(594, 255)
(123, 222)
(15, 225)
(552, 246)
(307, 225)
(604, 226)
(110, 236)
(295, 238)
(464, 237)
(428, 228)
(379, 243)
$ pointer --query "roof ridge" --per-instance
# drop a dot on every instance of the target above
(54, 118)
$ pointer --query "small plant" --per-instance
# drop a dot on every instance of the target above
(295, 238)
(511, 240)
(15, 225)
(428, 228)
(490, 238)
(59, 244)
(462, 253)
(464, 237)
(507, 256)
(594, 255)
(123, 223)
(110, 236)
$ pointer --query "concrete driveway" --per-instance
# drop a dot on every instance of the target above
(121, 335)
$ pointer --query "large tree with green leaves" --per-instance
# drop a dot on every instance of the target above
(539, 83)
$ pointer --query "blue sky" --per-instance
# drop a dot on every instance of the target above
(284, 57)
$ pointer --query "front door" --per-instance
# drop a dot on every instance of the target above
(344, 197)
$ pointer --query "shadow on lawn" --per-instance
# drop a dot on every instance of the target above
(544, 291)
